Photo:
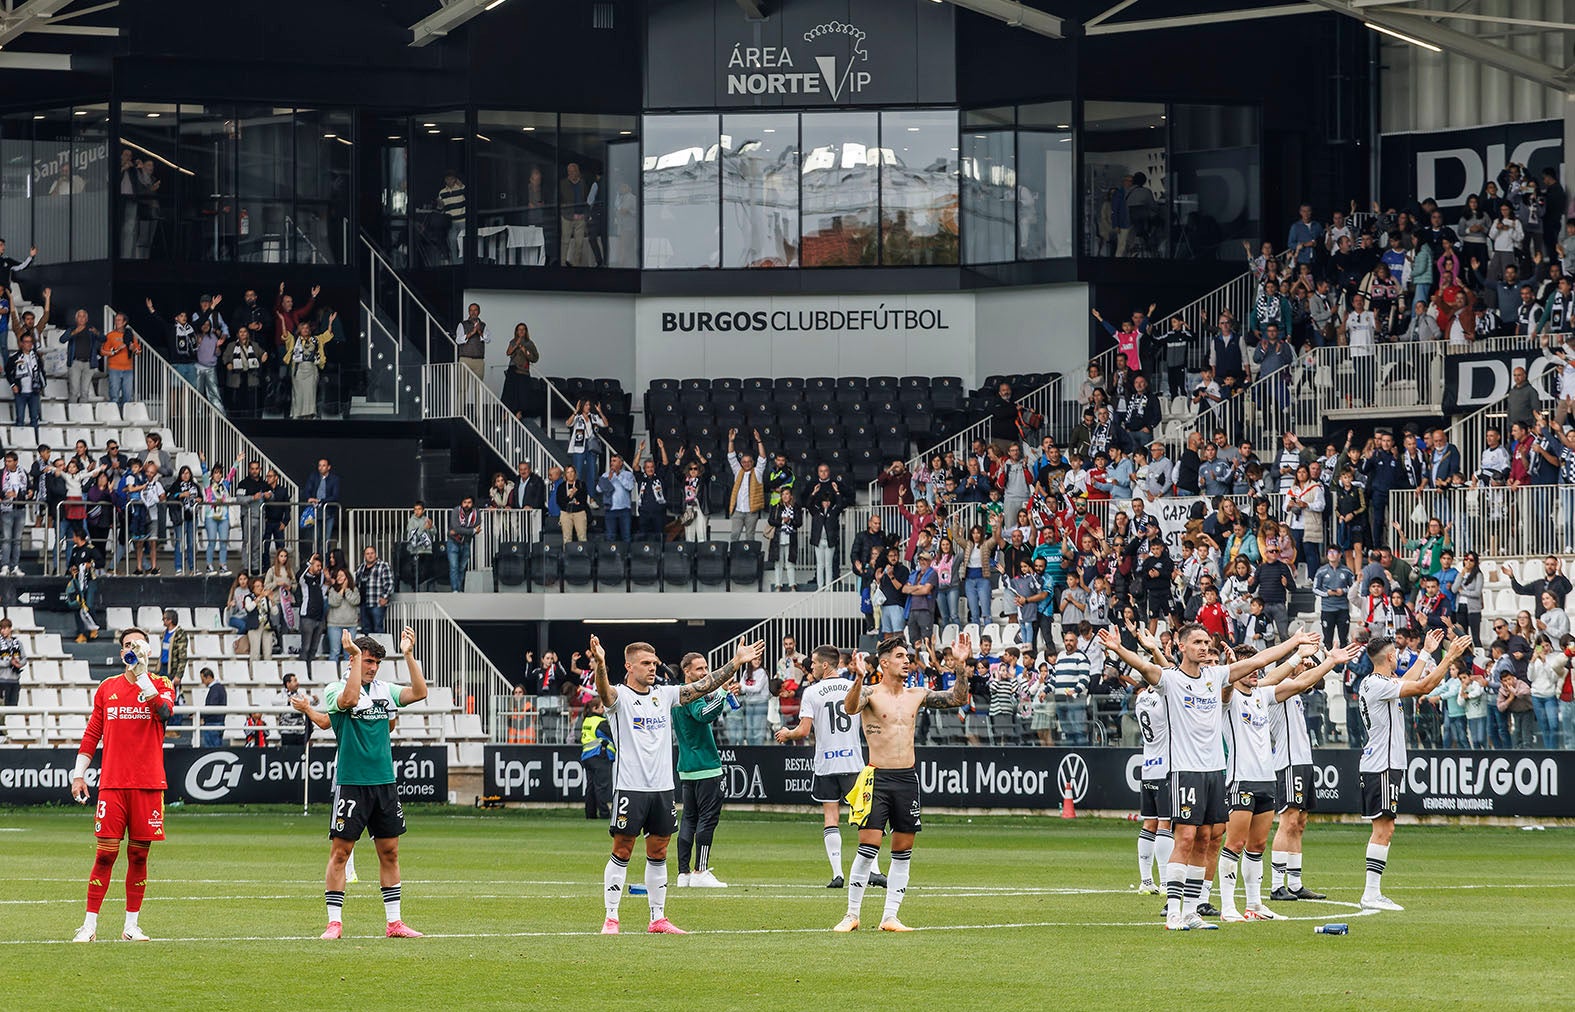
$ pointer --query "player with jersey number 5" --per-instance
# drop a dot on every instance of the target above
(887, 793)
(839, 751)
(366, 796)
(130, 711)
(641, 715)
(1253, 790)
(1195, 693)
(1383, 762)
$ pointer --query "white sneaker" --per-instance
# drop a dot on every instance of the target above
(706, 880)
(1259, 912)
(84, 934)
(1380, 903)
(1150, 889)
(1193, 921)
(133, 934)
(1231, 915)
(685, 880)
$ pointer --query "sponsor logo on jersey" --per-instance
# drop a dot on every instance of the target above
(655, 723)
(839, 753)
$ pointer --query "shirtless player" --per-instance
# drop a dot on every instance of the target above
(889, 711)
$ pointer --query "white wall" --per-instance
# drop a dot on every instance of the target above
(578, 335)
(639, 338)
(1032, 330)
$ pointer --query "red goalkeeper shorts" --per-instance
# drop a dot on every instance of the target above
(136, 814)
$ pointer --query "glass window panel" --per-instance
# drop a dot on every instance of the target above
(760, 190)
(1125, 168)
(590, 180)
(1045, 168)
(1215, 169)
(92, 174)
(209, 225)
(51, 184)
(516, 193)
(438, 197)
(324, 154)
(680, 191)
(1046, 115)
(264, 169)
(989, 196)
(16, 178)
(390, 138)
(623, 216)
(147, 182)
(997, 117)
(839, 185)
(918, 187)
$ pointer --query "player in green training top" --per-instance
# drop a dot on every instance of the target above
(699, 775)
(365, 795)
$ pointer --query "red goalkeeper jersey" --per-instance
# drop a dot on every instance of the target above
(132, 733)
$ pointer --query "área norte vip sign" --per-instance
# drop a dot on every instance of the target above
(831, 61)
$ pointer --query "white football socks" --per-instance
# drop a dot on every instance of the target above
(1252, 878)
(859, 876)
(896, 883)
(614, 877)
(1145, 856)
(1229, 860)
(656, 887)
(833, 836)
(1377, 858)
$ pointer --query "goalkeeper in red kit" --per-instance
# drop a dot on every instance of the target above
(129, 714)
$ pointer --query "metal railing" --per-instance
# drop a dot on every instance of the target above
(194, 422)
(1468, 432)
(389, 529)
(451, 390)
(449, 657)
(1524, 520)
(388, 296)
(830, 615)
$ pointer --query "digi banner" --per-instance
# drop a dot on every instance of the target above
(1450, 165)
(1436, 782)
(1475, 380)
(239, 776)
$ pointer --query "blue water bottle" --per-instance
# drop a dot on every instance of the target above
(732, 701)
(1332, 929)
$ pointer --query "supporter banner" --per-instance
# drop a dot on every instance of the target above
(245, 776)
(1437, 783)
(1450, 165)
(1476, 379)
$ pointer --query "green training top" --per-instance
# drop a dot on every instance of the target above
(366, 756)
(697, 755)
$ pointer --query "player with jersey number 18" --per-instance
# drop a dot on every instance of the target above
(839, 751)
(366, 796)
(641, 715)
(129, 714)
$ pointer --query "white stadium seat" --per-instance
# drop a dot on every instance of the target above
(120, 618)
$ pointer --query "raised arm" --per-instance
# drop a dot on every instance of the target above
(1313, 676)
(605, 690)
(962, 648)
(1111, 641)
(746, 654)
(301, 705)
(351, 693)
(1273, 655)
(416, 691)
(1430, 681)
(855, 700)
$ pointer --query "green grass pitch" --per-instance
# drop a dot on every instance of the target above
(1016, 914)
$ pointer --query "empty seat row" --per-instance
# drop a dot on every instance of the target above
(676, 565)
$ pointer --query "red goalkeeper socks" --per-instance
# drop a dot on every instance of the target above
(98, 880)
(136, 877)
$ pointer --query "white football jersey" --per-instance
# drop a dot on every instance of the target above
(1197, 742)
(838, 745)
(1292, 743)
(1251, 750)
(1154, 724)
(642, 730)
(1379, 698)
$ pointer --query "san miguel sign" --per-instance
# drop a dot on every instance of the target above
(828, 63)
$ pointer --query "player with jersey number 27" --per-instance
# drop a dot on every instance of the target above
(366, 796)
(130, 711)
(641, 715)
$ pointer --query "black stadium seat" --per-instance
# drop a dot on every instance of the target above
(611, 560)
(892, 442)
(546, 566)
(821, 408)
(645, 564)
(851, 394)
(746, 564)
(826, 385)
(788, 383)
(946, 394)
(678, 565)
(884, 385)
(711, 562)
(666, 385)
(830, 433)
(579, 563)
(509, 564)
(758, 385)
(694, 383)
(730, 385)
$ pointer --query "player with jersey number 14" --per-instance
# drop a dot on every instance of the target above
(366, 796)
(129, 714)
